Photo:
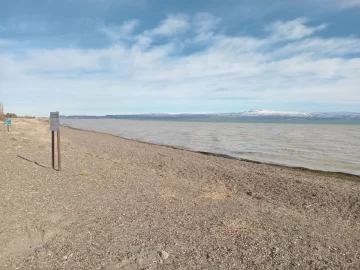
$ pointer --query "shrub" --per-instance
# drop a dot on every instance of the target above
(10, 115)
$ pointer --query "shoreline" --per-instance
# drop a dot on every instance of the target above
(344, 175)
(120, 203)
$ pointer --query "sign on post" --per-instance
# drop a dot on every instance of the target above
(8, 123)
(54, 121)
(55, 126)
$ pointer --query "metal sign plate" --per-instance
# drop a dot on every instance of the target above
(7, 122)
(54, 121)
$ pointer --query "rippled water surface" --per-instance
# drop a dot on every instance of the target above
(323, 147)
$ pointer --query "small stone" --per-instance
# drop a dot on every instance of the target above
(273, 252)
(164, 255)
(139, 261)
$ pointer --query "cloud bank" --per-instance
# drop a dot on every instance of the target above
(184, 63)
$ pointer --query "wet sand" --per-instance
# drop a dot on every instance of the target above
(122, 204)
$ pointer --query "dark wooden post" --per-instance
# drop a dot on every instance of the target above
(53, 149)
(58, 149)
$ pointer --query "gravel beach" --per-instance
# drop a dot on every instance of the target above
(123, 204)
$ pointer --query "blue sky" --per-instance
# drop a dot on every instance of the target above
(139, 56)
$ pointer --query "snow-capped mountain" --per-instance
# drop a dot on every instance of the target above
(252, 114)
(275, 113)
(285, 114)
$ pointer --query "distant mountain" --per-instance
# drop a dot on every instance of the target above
(275, 113)
(304, 115)
(252, 114)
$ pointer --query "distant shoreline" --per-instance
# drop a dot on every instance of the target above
(244, 120)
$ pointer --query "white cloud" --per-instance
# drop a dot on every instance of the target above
(236, 45)
(143, 42)
(120, 32)
(141, 70)
(320, 47)
(292, 30)
(205, 25)
(172, 25)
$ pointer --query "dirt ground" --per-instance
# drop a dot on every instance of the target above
(122, 204)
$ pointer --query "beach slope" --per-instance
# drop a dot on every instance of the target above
(122, 204)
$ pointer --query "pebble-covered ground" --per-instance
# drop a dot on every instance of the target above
(122, 204)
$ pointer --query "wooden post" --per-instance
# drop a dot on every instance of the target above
(58, 149)
(53, 149)
(8, 129)
(55, 126)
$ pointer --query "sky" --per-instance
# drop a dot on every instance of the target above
(96, 57)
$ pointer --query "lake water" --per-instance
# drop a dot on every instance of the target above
(315, 146)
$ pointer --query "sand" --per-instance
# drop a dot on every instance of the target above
(122, 204)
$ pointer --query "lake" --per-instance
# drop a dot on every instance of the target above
(316, 146)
